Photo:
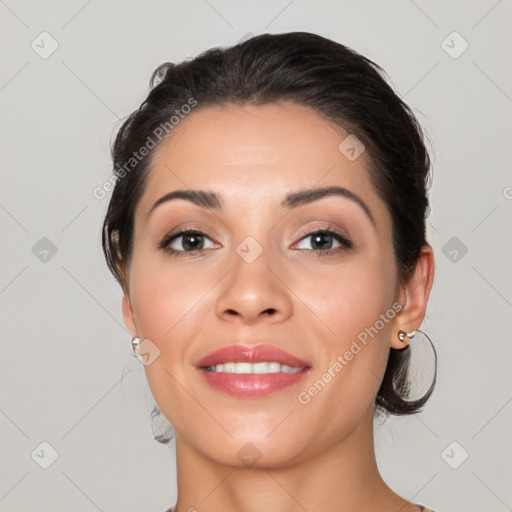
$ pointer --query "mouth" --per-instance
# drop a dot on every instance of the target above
(252, 359)
(252, 371)
(254, 368)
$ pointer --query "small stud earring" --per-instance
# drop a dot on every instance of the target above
(403, 334)
(135, 346)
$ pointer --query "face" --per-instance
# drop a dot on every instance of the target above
(313, 276)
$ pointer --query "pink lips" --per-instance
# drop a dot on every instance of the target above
(251, 385)
(254, 354)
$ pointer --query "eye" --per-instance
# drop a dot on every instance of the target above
(321, 241)
(187, 240)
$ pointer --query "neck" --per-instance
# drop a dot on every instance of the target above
(344, 474)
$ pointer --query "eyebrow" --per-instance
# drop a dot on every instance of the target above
(211, 200)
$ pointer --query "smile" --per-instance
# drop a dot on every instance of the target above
(234, 378)
(254, 368)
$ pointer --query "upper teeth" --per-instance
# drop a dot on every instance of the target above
(271, 367)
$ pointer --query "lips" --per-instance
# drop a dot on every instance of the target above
(251, 354)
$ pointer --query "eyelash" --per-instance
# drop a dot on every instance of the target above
(345, 243)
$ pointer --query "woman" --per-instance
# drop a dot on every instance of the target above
(267, 227)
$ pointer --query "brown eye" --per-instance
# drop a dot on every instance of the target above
(185, 241)
(323, 240)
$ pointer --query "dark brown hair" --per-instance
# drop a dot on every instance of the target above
(339, 84)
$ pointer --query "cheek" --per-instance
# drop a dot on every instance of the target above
(351, 297)
(166, 298)
(169, 303)
(355, 303)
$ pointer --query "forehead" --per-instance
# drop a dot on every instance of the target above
(249, 153)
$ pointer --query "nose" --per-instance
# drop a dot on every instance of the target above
(254, 292)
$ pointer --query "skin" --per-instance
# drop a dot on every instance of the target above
(317, 456)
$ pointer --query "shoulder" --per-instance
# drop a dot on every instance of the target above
(421, 508)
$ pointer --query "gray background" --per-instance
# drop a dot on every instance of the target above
(68, 377)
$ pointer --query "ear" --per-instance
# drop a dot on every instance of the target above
(414, 297)
(128, 316)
